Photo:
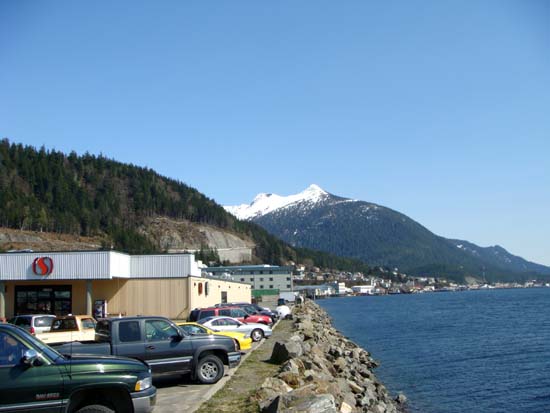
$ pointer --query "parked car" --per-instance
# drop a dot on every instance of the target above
(257, 331)
(35, 377)
(233, 312)
(284, 311)
(163, 345)
(252, 309)
(69, 328)
(33, 323)
(243, 340)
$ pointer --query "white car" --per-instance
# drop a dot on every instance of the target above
(256, 331)
(283, 311)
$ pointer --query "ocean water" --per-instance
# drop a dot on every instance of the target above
(471, 351)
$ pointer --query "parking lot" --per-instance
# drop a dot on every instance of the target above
(177, 393)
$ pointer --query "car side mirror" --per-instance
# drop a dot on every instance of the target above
(246, 316)
(178, 336)
(30, 358)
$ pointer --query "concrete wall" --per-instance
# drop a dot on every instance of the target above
(235, 255)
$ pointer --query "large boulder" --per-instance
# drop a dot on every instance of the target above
(270, 390)
(285, 351)
(312, 403)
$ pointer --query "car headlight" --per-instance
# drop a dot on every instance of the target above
(143, 384)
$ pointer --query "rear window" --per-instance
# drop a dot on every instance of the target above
(226, 312)
(65, 324)
(102, 330)
(88, 323)
(207, 313)
(43, 321)
(23, 321)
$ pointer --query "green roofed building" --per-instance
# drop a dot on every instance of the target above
(264, 279)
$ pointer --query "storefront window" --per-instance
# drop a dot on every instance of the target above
(43, 300)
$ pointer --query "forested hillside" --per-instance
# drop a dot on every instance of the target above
(47, 190)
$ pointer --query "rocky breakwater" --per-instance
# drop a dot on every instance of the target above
(323, 372)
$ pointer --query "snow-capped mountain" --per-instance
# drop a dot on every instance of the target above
(377, 235)
(266, 203)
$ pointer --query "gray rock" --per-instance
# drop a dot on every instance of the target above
(355, 387)
(294, 380)
(313, 403)
(293, 366)
(340, 364)
(280, 353)
(401, 398)
(284, 351)
(380, 407)
(349, 399)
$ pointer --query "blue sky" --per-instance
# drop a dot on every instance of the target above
(439, 110)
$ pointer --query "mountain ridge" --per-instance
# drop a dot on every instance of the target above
(382, 236)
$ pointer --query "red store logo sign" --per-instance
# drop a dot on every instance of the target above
(42, 266)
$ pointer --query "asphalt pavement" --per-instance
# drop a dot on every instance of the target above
(177, 393)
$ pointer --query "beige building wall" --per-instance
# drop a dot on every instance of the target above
(165, 297)
(235, 292)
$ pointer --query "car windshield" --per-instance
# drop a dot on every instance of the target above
(250, 309)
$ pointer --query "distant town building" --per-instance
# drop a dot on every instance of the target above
(363, 289)
(339, 288)
(264, 279)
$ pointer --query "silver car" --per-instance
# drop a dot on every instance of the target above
(34, 323)
(256, 331)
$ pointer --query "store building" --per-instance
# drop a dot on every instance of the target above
(106, 283)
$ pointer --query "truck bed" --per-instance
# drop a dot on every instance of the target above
(83, 347)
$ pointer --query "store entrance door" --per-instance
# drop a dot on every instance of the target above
(43, 299)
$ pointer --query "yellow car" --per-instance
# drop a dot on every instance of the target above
(243, 341)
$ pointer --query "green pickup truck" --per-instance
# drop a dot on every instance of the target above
(36, 378)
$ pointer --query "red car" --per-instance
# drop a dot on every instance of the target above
(234, 312)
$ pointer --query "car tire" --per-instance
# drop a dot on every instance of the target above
(209, 369)
(95, 408)
(257, 334)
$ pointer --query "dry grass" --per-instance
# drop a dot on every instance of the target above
(235, 396)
